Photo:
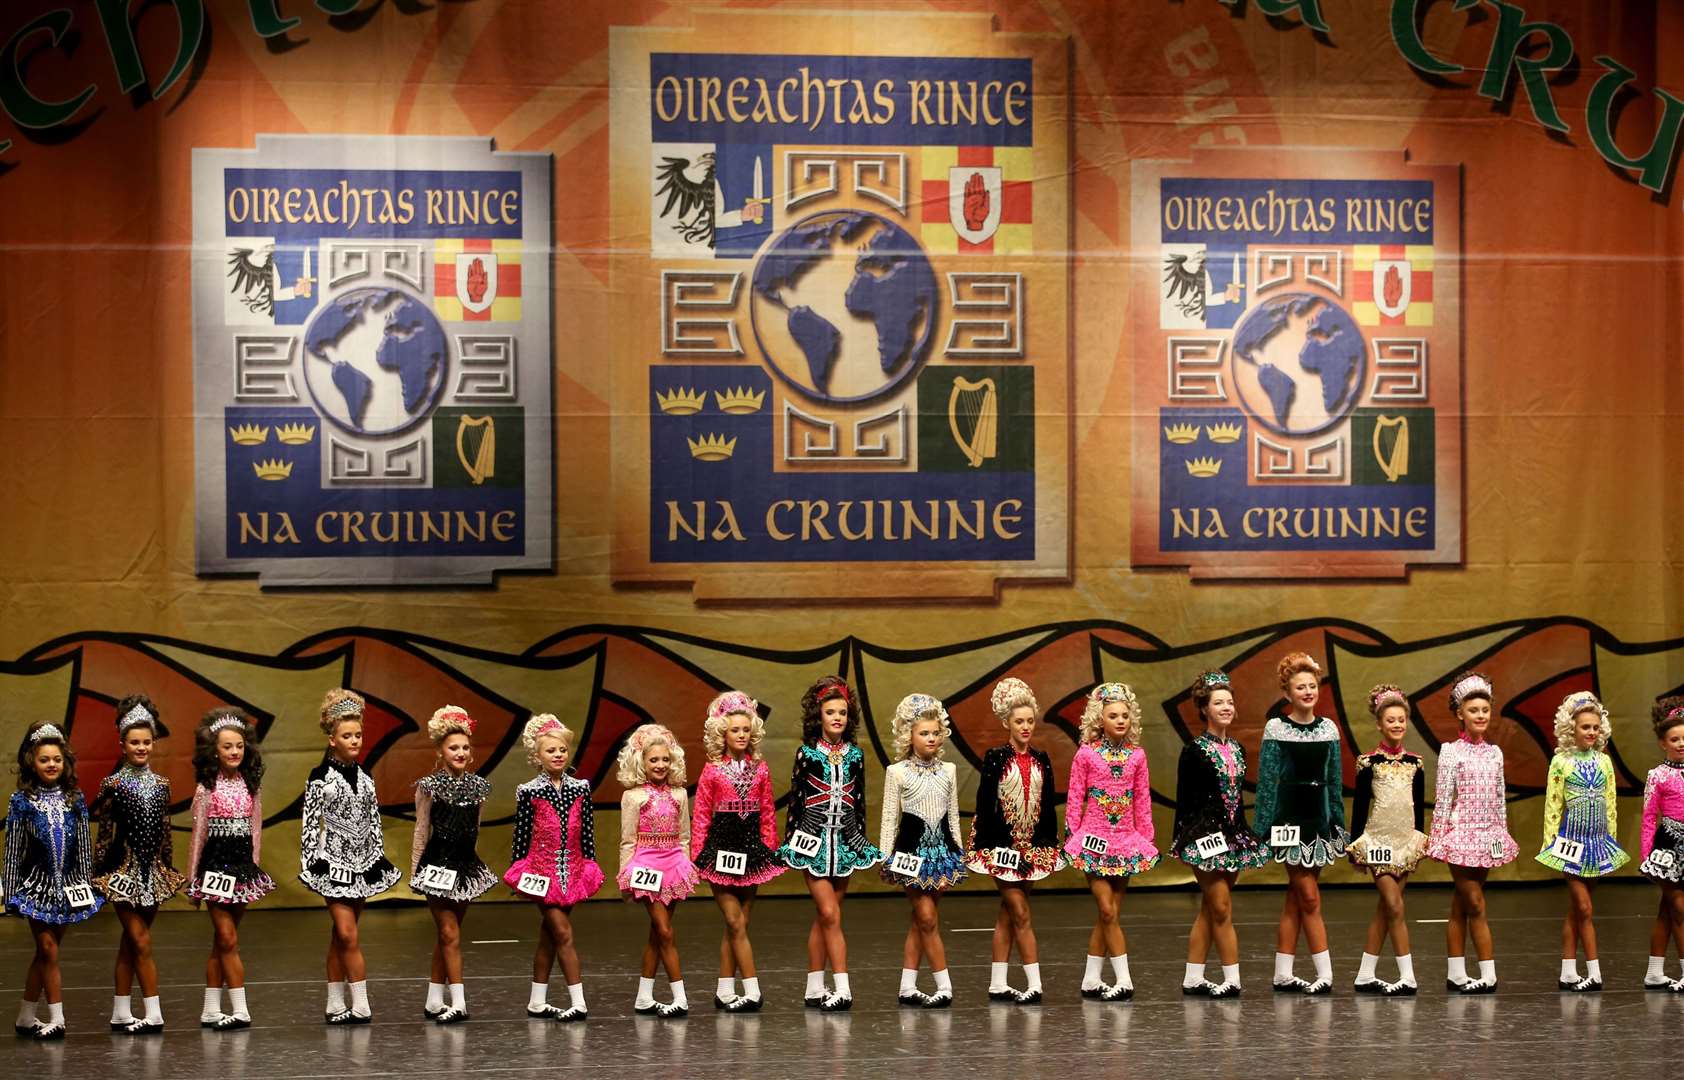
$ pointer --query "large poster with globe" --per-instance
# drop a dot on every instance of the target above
(1298, 364)
(371, 360)
(841, 314)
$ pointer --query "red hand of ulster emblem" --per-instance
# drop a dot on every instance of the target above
(976, 202)
(477, 281)
(1393, 286)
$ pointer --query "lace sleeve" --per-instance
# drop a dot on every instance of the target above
(1268, 787)
(201, 808)
(682, 798)
(889, 825)
(1606, 768)
(311, 827)
(631, 804)
(257, 825)
(952, 771)
(1444, 790)
(1554, 785)
(423, 827)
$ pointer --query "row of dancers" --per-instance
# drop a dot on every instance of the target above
(55, 877)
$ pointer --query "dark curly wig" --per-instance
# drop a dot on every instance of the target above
(1667, 714)
(206, 765)
(827, 687)
(26, 766)
(1208, 683)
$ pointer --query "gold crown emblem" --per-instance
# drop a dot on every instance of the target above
(248, 434)
(1224, 433)
(680, 402)
(739, 400)
(295, 434)
(1204, 466)
(1181, 433)
(712, 447)
(272, 470)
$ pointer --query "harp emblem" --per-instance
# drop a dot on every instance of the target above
(973, 414)
(476, 446)
(1395, 462)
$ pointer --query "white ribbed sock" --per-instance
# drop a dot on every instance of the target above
(1593, 970)
(751, 987)
(1231, 974)
(213, 1004)
(1570, 970)
(1324, 964)
(678, 997)
(815, 983)
(459, 997)
(537, 995)
(1194, 976)
(1406, 969)
(843, 987)
(1457, 969)
(908, 980)
(1283, 967)
(435, 996)
(26, 1013)
(359, 997)
(154, 1009)
(1365, 968)
(645, 993)
(1657, 969)
(576, 995)
(122, 1009)
(943, 981)
(336, 992)
(55, 1012)
(1120, 970)
(237, 1002)
(1488, 971)
(1032, 972)
(1091, 977)
(726, 987)
(997, 976)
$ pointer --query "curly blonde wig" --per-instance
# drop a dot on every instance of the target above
(543, 726)
(720, 710)
(630, 761)
(1295, 663)
(1011, 694)
(1567, 715)
(338, 706)
(913, 708)
(1093, 728)
(447, 721)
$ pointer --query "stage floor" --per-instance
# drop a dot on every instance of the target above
(1528, 1026)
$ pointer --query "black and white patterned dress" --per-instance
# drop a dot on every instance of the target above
(447, 812)
(341, 851)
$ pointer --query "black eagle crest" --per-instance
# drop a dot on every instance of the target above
(692, 199)
(254, 281)
(1185, 287)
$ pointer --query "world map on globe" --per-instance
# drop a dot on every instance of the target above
(1298, 363)
(379, 360)
(844, 305)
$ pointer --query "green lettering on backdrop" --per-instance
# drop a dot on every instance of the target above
(266, 18)
(125, 51)
(25, 109)
(1505, 57)
(1308, 10)
(1408, 39)
(1656, 162)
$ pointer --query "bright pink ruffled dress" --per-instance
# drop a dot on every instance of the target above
(735, 812)
(554, 838)
(1110, 797)
(655, 833)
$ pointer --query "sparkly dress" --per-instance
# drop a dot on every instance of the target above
(1299, 782)
(555, 839)
(1391, 798)
(47, 853)
(1208, 802)
(827, 801)
(1579, 806)
(1014, 809)
(1663, 822)
(227, 839)
(1110, 799)
(655, 835)
(1470, 807)
(734, 812)
(921, 817)
(342, 853)
(447, 813)
(132, 844)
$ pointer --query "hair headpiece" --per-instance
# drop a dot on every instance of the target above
(1473, 684)
(1676, 716)
(541, 725)
(732, 701)
(1383, 697)
(913, 706)
(1101, 696)
(1215, 680)
(44, 732)
(449, 720)
(343, 708)
(836, 689)
(135, 717)
(1011, 693)
(225, 722)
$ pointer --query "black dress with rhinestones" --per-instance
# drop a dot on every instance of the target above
(447, 812)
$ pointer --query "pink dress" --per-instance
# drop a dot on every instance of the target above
(1110, 800)
(554, 839)
(1663, 823)
(735, 813)
(228, 839)
(1470, 808)
(655, 835)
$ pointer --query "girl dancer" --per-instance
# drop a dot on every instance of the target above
(227, 840)
(132, 860)
(734, 838)
(1579, 828)
(45, 876)
(1108, 810)
(655, 867)
(1211, 834)
(443, 865)
(1470, 828)
(1662, 841)
(825, 835)
(1014, 836)
(1301, 813)
(1386, 818)
(920, 835)
(342, 852)
(554, 861)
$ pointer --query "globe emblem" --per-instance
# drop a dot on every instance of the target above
(1298, 363)
(844, 305)
(374, 360)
